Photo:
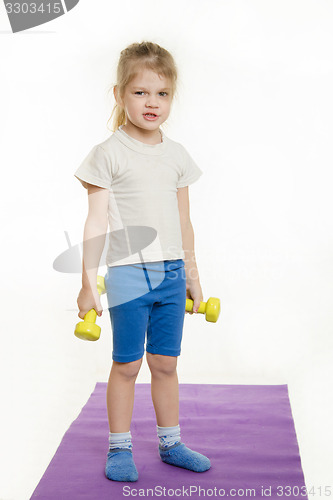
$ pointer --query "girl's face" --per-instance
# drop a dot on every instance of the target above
(147, 102)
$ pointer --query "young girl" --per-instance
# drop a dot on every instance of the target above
(137, 182)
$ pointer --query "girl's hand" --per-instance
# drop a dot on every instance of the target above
(87, 300)
(194, 292)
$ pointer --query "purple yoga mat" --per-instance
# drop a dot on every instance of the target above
(247, 431)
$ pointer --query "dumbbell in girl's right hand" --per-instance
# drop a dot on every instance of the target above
(88, 304)
(87, 301)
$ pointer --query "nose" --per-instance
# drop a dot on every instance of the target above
(151, 102)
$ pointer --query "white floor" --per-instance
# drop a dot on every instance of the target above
(39, 411)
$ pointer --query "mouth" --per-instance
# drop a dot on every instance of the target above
(150, 116)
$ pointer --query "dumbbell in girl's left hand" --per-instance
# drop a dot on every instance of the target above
(211, 308)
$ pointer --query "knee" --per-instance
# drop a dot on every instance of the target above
(128, 370)
(161, 365)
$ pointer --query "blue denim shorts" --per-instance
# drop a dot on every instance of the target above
(146, 298)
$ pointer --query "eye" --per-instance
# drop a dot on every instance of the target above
(164, 94)
(139, 92)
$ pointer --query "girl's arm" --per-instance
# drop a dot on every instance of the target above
(95, 229)
(193, 287)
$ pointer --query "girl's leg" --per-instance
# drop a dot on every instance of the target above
(164, 388)
(165, 396)
(120, 394)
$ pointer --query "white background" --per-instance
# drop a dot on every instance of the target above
(254, 109)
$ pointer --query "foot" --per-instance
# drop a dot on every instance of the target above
(120, 465)
(181, 456)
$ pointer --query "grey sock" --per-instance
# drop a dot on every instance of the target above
(120, 440)
(168, 436)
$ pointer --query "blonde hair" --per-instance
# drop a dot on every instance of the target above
(138, 56)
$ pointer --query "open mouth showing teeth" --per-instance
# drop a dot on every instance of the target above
(149, 114)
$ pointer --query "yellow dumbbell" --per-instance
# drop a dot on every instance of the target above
(87, 329)
(211, 308)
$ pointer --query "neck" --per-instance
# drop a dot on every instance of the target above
(147, 136)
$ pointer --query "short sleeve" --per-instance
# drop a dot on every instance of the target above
(95, 169)
(190, 170)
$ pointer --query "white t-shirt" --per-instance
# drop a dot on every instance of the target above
(142, 180)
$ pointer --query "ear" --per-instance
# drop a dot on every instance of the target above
(117, 96)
